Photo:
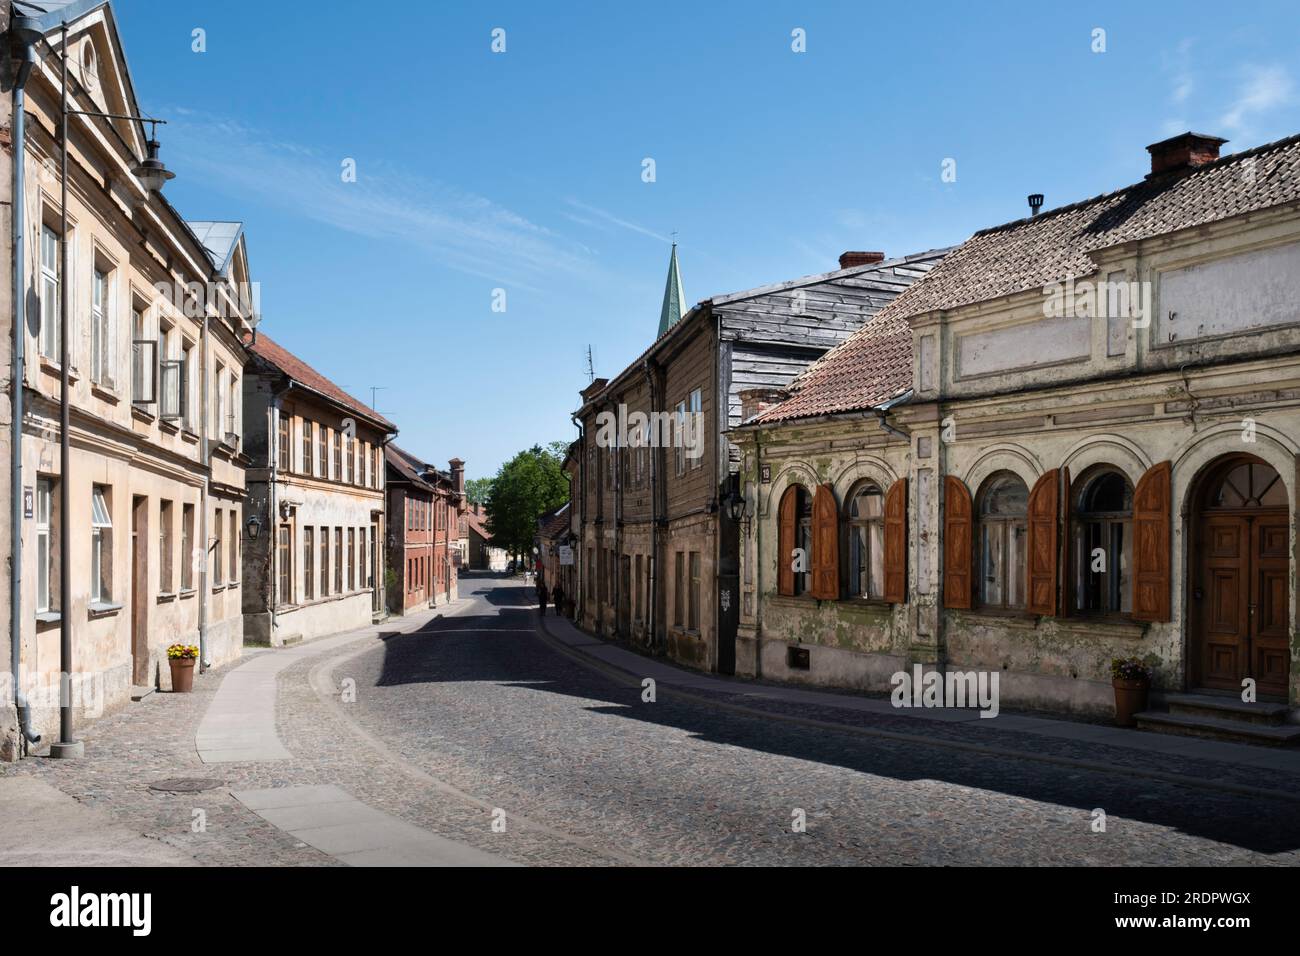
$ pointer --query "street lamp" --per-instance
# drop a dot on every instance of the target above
(153, 174)
(254, 527)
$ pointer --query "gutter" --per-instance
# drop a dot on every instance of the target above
(882, 414)
(652, 612)
(24, 32)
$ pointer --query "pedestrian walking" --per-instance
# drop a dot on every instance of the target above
(541, 596)
(557, 598)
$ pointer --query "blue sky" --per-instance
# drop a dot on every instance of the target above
(522, 170)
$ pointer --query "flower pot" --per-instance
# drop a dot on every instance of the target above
(182, 674)
(1130, 699)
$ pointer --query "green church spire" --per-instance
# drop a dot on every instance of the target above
(674, 298)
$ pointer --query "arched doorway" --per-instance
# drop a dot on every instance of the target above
(1240, 578)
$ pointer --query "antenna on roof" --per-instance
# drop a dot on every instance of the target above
(591, 367)
(373, 389)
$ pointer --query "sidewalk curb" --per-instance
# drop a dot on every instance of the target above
(628, 678)
(320, 678)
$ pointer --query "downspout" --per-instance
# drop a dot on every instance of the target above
(25, 32)
(882, 412)
(652, 614)
(272, 523)
(578, 578)
(756, 527)
(205, 661)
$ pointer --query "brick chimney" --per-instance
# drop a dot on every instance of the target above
(850, 259)
(458, 476)
(1183, 152)
(755, 401)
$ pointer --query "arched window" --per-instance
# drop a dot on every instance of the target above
(866, 541)
(1001, 537)
(1103, 516)
(1248, 485)
(795, 534)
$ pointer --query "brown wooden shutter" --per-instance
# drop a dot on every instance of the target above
(1044, 502)
(1152, 545)
(896, 543)
(786, 520)
(1066, 599)
(957, 553)
(825, 545)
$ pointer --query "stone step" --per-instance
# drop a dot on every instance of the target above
(1227, 708)
(1215, 728)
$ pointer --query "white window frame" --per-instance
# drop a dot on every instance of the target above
(44, 543)
(101, 520)
(51, 290)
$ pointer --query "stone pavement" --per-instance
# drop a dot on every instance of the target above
(409, 742)
(1250, 768)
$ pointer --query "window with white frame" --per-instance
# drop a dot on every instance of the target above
(188, 380)
(50, 291)
(679, 439)
(101, 329)
(144, 359)
(44, 543)
(101, 547)
(695, 430)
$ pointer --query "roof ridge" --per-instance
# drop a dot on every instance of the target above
(1170, 175)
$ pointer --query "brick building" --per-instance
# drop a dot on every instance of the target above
(424, 505)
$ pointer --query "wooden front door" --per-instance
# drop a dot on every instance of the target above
(1241, 603)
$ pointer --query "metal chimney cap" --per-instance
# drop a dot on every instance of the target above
(1035, 203)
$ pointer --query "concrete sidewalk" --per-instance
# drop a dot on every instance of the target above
(46, 827)
(742, 692)
(240, 722)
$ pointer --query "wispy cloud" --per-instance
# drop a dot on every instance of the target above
(458, 229)
(1179, 66)
(594, 217)
(1264, 88)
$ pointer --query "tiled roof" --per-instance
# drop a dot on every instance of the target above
(875, 363)
(298, 370)
(479, 525)
(555, 523)
(408, 467)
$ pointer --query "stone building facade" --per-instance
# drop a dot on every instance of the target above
(656, 551)
(1076, 439)
(158, 309)
(316, 478)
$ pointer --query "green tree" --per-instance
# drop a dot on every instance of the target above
(526, 487)
(478, 489)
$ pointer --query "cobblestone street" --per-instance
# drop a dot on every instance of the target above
(471, 716)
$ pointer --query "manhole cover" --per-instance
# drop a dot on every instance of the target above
(186, 784)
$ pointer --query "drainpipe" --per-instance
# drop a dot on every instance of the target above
(882, 412)
(205, 661)
(272, 521)
(652, 615)
(25, 33)
(578, 576)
